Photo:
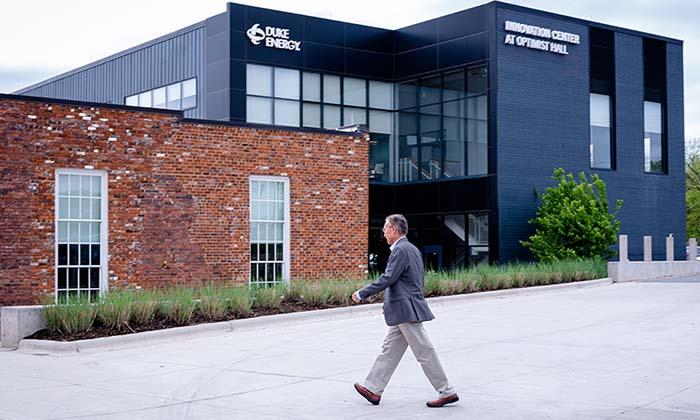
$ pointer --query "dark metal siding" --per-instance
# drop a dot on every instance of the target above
(142, 68)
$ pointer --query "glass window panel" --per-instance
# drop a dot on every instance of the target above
(270, 210)
(331, 90)
(63, 208)
(380, 122)
(63, 184)
(253, 232)
(353, 116)
(62, 236)
(453, 86)
(84, 254)
(354, 92)
(61, 274)
(455, 137)
(263, 190)
(96, 208)
(95, 278)
(331, 117)
(74, 208)
(73, 254)
(381, 95)
(312, 87)
(255, 190)
(258, 110)
(279, 251)
(407, 94)
(95, 254)
(84, 278)
(74, 185)
(85, 206)
(255, 210)
(73, 278)
(159, 98)
(132, 100)
(189, 93)
(73, 231)
(84, 232)
(279, 212)
(407, 169)
(62, 254)
(477, 81)
(145, 99)
(600, 110)
(174, 96)
(279, 230)
(263, 253)
(652, 117)
(379, 156)
(286, 83)
(253, 252)
(430, 90)
(478, 229)
(286, 113)
(96, 186)
(258, 80)
(95, 232)
(270, 274)
(312, 115)
(272, 190)
(280, 191)
(653, 147)
(85, 184)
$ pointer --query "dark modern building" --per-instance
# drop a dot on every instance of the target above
(469, 113)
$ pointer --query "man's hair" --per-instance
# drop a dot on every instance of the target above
(398, 222)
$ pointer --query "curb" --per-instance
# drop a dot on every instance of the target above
(216, 328)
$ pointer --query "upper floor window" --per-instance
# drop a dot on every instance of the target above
(178, 96)
(654, 151)
(600, 141)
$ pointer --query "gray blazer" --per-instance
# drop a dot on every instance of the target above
(402, 283)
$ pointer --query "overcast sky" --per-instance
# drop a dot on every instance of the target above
(44, 38)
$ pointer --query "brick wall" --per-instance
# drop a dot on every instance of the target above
(178, 195)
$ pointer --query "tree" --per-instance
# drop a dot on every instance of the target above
(573, 220)
(692, 187)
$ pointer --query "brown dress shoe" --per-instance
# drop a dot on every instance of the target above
(369, 395)
(443, 401)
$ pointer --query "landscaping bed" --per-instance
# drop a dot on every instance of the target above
(131, 311)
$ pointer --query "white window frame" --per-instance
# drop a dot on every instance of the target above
(104, 229)
(286, 240)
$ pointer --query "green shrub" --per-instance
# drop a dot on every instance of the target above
(76, 314)
(179, 305)
(115, 308)
(269, 297)
(240, 300)
(213, 302)
(573, 220)
(144, 307)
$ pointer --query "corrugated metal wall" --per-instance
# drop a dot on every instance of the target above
(142, 68)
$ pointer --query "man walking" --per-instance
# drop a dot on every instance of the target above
(405, 309)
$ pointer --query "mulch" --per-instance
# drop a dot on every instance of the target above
(98, 330)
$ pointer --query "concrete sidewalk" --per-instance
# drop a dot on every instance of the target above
(623, 351)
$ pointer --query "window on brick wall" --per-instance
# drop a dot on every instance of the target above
(269, 230)
(81, 233)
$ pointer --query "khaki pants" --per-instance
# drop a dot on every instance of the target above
(397, 339)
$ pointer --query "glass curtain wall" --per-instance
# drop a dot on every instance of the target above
(442, 126)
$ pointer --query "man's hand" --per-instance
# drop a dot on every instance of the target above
(356, 297)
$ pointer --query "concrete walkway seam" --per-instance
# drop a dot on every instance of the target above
(202, 330)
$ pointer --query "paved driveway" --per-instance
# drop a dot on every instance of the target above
(623, 351)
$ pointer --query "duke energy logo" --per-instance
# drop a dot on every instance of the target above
(272, 37)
